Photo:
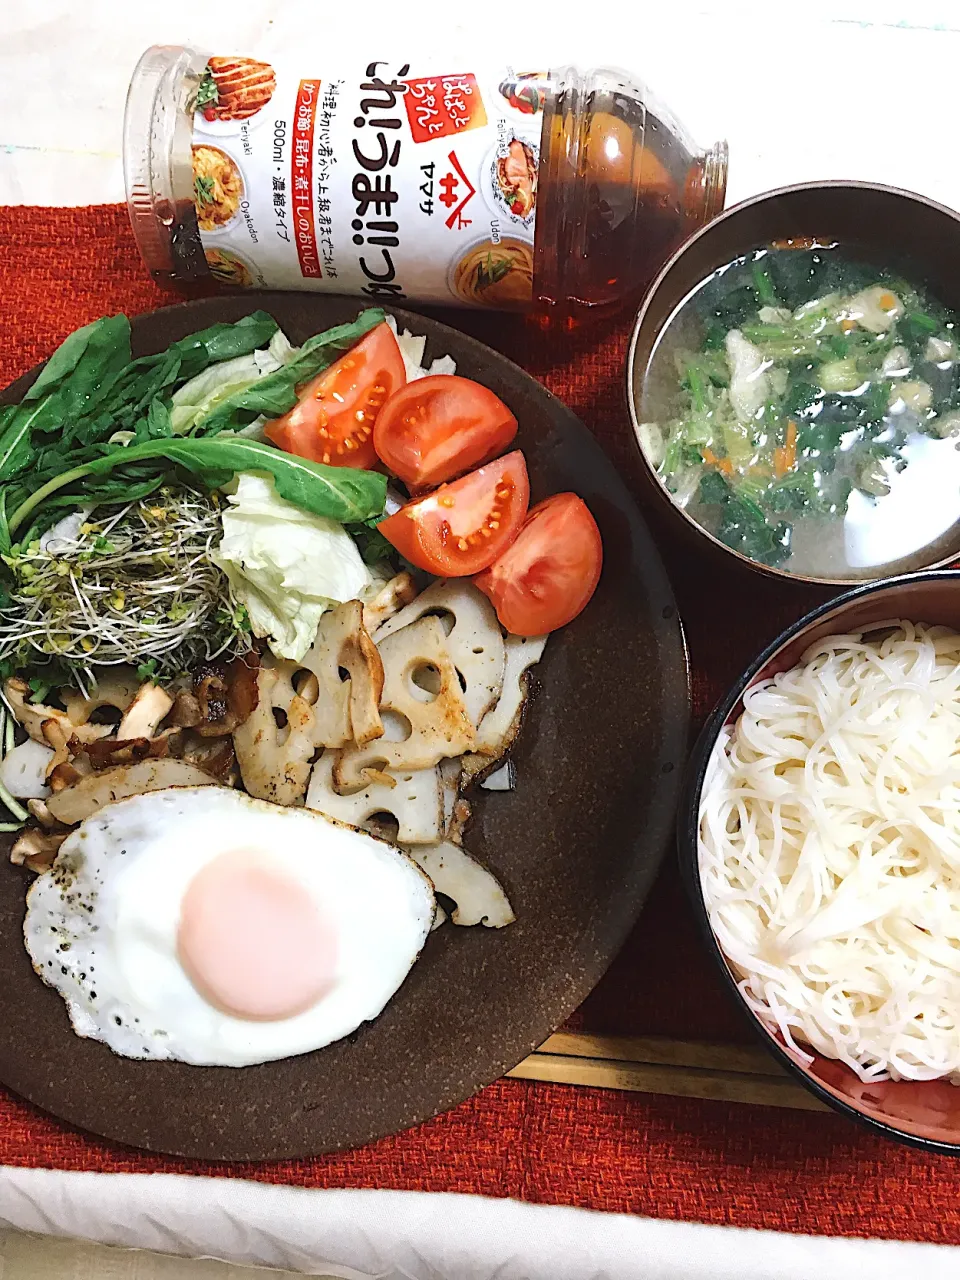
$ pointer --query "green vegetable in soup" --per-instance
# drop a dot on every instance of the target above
(743, 526)
(809, 377)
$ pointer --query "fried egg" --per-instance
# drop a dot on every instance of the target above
(202, 925)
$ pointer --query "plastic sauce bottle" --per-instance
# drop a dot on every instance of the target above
(560, 192)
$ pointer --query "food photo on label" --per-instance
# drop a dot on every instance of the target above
(234, 89)
(228, 267)
(497, 274)
(257, 597)
(217, 188)
(513, 174)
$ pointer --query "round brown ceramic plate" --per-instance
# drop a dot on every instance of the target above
(577, 845)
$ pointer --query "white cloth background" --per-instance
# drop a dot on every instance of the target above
(833, 88)
(395, 1235)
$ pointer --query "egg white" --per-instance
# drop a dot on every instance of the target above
(101, 926)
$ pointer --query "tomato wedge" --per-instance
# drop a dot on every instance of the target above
(462, 527)
(333, 420)
(551, 569)
(438, 427)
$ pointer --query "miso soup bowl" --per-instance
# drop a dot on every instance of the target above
(887, 226)
(923, 1114)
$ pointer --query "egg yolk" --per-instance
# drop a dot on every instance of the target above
(252, 939)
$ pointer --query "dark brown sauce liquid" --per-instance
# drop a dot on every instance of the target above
(188, 271)
(620, 189)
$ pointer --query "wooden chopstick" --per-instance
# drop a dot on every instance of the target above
(680, 1068)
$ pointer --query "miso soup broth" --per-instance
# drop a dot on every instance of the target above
(803, 406)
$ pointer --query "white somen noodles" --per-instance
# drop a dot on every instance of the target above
(830, 851)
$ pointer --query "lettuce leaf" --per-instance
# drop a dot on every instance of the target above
(286, 566)
(198, 398)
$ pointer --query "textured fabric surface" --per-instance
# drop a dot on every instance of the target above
(673, 1158)
(406, 1235)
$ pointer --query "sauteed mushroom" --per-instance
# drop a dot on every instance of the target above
(36, 849)
(142, 718)
(90, 793)
(226, 694)
(33, 715)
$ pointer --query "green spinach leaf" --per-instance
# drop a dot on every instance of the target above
(70, 385)
(223, 342)
(743, 526)
(373, 546)
(98, 350)
(339, 493)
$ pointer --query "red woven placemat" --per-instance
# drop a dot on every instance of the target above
(667, 1157)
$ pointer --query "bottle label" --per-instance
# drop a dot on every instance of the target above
(384, 181)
